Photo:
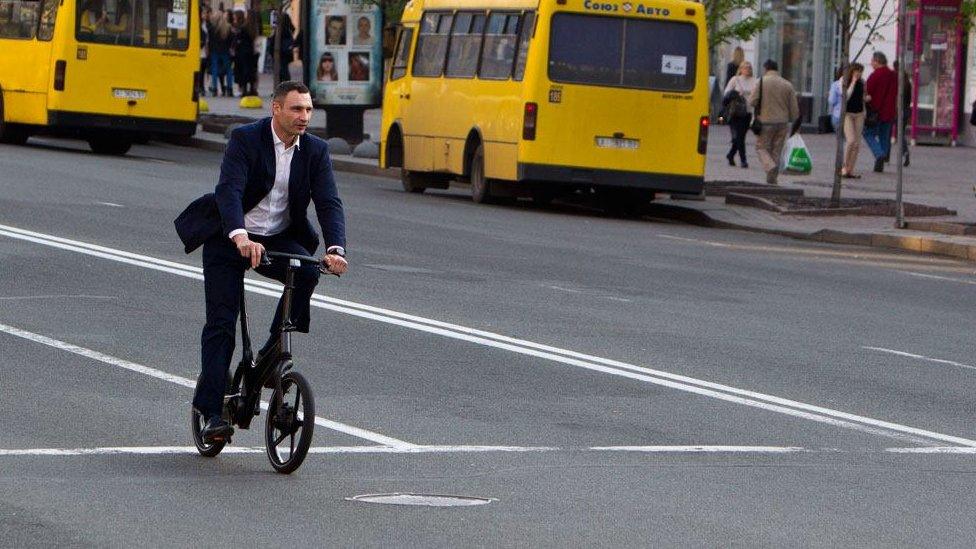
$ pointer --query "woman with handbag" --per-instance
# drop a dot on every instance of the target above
(737, 111)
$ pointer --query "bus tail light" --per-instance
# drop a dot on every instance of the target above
(196, 91)
(528, 123)
(59, 68)
(703, 135)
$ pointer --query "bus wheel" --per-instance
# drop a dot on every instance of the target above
(109, 145)
(11, 133)
(413, 182)
(480, 191)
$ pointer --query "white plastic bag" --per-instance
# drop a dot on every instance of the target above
(796, 157)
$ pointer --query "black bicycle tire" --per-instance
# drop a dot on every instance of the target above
(308, 426)
(205, 450)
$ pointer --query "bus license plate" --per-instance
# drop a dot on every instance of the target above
(616, 143)
(121, 93)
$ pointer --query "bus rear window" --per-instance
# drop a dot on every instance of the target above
(632, 53)
(157, 24)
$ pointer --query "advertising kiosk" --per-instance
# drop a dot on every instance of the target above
(934, 52)
(344, 61)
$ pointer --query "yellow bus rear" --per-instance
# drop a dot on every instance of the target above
(606, 96)
(108, 71)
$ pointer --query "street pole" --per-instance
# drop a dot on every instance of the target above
(902, 42)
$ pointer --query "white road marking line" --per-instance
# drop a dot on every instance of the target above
(170, 450)
(920, 357)
(159, 374)
(937, 277)
(555, 354)
(933, 450)
(112, 204)
(703, 449)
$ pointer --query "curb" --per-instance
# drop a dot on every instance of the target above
(338, 164)
(914, 243)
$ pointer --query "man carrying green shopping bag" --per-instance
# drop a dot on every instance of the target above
(776, 107)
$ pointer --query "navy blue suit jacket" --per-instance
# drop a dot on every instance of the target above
(247, 175)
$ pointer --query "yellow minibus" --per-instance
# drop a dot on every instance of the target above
(538, 97)
(108, 71)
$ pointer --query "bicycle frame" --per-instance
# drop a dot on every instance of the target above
(242, 402)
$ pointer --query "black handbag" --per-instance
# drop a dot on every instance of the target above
(756, 126)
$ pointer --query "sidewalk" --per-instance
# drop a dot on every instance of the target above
(938, 176)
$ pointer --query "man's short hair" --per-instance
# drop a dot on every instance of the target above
(287, 87)
(771, 65)
(881, 58)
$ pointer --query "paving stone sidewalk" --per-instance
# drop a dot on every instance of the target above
(937, 176)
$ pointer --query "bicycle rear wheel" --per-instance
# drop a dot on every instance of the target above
(197, 423)
(290, 422)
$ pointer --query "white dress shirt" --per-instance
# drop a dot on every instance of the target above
(271, 216)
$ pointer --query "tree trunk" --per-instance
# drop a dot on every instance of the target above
(845, 48)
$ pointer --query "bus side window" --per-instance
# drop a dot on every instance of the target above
(402, 54)
(462, 59)
(498, 55)
(49, 14)
(432, 44)
(18, 18)
(525, 34)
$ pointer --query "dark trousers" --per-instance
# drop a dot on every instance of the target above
(739, 125)
(223, 274)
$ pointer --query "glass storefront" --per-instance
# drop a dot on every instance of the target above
(802, 40)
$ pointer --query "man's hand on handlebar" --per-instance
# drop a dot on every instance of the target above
(335, 263)
(249, 249)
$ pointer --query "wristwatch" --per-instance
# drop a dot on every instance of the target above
(336, 250)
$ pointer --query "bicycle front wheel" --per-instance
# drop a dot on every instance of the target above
(290, 422)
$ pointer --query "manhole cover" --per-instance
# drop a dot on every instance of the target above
(429, 500)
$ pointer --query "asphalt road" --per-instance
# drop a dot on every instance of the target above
(605, 381)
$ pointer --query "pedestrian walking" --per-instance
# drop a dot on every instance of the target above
(220, 64)
(882, 88)
(853, 118)
(287, 46)
(906, 114)
(737, 112)
(776, 108)
(245, 60)
(835, 96)
(201, 82)
(732, 69)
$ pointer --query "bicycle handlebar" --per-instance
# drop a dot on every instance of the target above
(282, 255)
(267, 256)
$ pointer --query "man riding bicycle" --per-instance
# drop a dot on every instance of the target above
(270, 171)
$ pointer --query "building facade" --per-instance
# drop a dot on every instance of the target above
(804, 39)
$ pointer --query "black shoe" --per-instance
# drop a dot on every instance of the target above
(745, 165)
(887, 158)
(879, 165)
(907, 161)
(216, 430)
(731, 159)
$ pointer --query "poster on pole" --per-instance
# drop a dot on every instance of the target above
(345, 62)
